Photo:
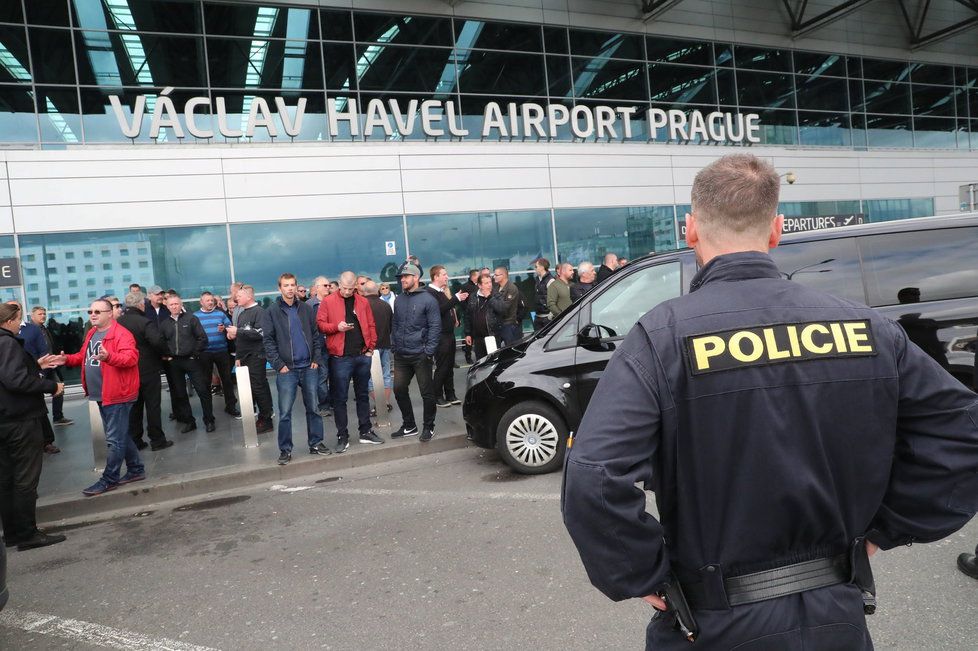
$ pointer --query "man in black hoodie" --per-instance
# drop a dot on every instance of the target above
(247, 330)
(444, 376)
(609, 267)
(470, 287)
(184, 338)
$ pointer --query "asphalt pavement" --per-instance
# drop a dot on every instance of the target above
(446, 551)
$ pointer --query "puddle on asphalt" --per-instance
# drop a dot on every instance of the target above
(212, 504)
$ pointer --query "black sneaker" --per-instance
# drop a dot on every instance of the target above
(140, 444)
(405, 432)
(967, 564)
(372, 438)
(263, 426)
(188, 427)
(427, 434)
(342, 446)
(284, 458)
(40, 539)
(63, 421)
(161, 446)
(444, 403)
(320, 448)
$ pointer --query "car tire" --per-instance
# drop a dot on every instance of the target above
(532, 438)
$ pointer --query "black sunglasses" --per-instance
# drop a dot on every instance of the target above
(90, 312)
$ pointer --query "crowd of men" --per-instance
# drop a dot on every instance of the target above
(318, 340)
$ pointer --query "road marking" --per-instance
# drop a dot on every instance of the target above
(496, 495)
(90, 633)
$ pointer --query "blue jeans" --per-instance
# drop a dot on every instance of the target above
(287, 384)
(510, 334)
(115, 419)
(322, 389)
(341, 369)
(385, 367)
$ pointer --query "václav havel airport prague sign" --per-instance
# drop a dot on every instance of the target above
(435, 118)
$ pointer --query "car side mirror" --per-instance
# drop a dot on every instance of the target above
(590, 338)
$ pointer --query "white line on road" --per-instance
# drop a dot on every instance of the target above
(497, 495)
(90, 633)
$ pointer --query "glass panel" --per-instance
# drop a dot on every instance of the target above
(12, 293)
(824, 129)
(778, 127)
(817, 64)
(587, 234)
(189, 260)
(679, 51)
(414, 30)
(961, 101)
(626, 301)
(52, 56)
(606, 44)
(11, 12)
(609, 79)
(316, 247)
(827, 265)
(498, 36)
(887, 97)
(559, 76)
(114, 59)
(336, 25)
(17, 121)
(13, 48)
(682, 84)
(933, 100)
(724, 54)
(247, 63)
(260, 21)
(501, 72)
(463, 241)
(341, 65)
(757, 58)
(935, 133)
(60, 119)
(856, 98)
(726, 87)
(921, 261)
(765, 89)
(886, 70)
(181, 16)
(927, 73)
(885, 210)
(408, 69)
(556, 39)
(47, 12)
(889, 131)
(821, 94)
(859, 130)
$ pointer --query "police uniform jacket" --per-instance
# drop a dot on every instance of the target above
(775, 424)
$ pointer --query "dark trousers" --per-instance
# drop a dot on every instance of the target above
(540, 321)
(150, 397)
(341, 370)
(222, 360)
(20, 470)
(444, 375)
(260, 391)
(509, 334)
(180, 368)
(58, 402)
(406, 368)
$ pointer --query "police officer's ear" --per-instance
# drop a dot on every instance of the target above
(692, 232)
(775, 236)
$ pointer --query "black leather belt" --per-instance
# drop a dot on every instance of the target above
(770, 584)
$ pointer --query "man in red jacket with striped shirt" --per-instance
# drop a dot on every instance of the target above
(351, 336)
(110, 377)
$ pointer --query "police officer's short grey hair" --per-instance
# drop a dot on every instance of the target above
(736, 195)
(135, 299)
(370, 289)
(585, 267)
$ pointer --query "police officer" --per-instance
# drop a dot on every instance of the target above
(786, 434)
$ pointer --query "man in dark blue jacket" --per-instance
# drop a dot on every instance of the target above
(787, 434)
(39, 342)
(294, 349)
(415, 333)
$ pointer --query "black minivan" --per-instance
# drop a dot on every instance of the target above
(525, 399)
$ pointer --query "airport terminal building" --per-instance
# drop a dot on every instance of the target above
(187, 143)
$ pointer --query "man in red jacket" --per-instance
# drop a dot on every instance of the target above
(351, 336)
(110, 377)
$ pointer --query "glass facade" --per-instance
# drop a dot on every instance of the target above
(62, 60)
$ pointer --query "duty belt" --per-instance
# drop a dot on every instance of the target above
(768, 584)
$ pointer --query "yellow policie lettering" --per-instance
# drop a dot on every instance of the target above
(779, 343)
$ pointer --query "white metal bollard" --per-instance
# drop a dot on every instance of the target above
(380, 394)
(490, 345)
(246, 405)
(99, 451)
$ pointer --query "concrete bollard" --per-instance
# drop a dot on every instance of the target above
(99, 451)
(247, 406)
(380, 396)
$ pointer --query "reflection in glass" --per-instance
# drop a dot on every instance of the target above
(253, 63)
(818, 64)
(887, 97)
(682, 84)
(765, 89)
(606, 44)
(929, 73)
(884, 210)
(827, 265)
(463, 241)
(340, 66)
(821, 94)
(402, 30)
(627, 300)
(14, 61)
(889, 131)
(600, 78)
(7, 251)
(309, 248)
(47, 12)
(559, 76)
(102, 125)
(506, 73)
(180, 16)
(121, 59)
(757, 58)
(59, 117)
(336, 25)
(589, 233)
(556, 40)
(17, 120)
(679, 51)
(416, 69)
(933, 100)
(824, 129)
(936, 133)
(51, 56)
(260, 21)
(498, 36)
(778, 127)
(886, 70)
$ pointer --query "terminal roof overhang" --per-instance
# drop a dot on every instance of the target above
(918, 15)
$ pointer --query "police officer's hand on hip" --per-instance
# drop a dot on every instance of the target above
(785, 432)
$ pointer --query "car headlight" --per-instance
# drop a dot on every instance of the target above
(479, 372)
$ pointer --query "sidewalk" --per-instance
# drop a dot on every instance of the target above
(200, 463)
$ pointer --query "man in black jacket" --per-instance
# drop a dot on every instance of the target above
(184, 339)
(609, 267)
(247, 330)
(22, 412)
(444, 376)
(151, 349)
(481, 320)
(540, 286)
(470, 287)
